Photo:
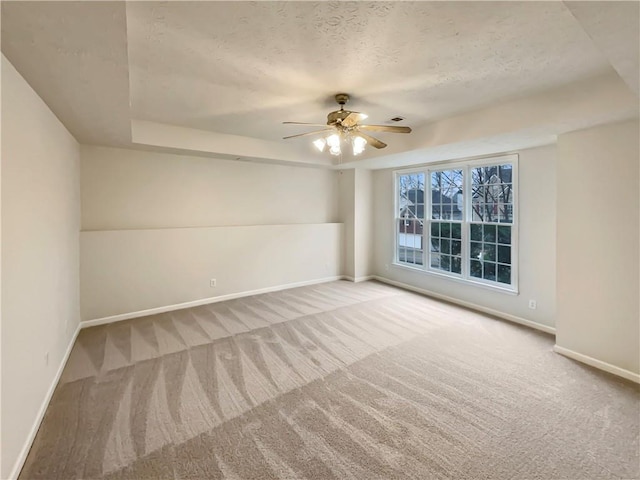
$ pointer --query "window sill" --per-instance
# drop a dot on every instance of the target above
(462, 281)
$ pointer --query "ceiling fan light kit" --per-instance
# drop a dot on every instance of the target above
(343, 126)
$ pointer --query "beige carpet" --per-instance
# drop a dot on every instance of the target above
(333, 381)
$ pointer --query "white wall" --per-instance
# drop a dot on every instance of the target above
(124, 188)
(157, 227)
(598, 243)
(40, 256)
(347, 205)
(363, 228)
(126, 271)
(537, 257)
(356, 213)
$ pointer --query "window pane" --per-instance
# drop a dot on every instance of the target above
(456, 230)
(504, 235)
(456, 265)
(435, 260)
(435, 181)
(434, 244)
(445, 230)
(505, 213)
(435, 229)
(446, 194)
(489, 271)
(476, 232)
(504, 254)
(417, 241)
(436, 208)
(492, 193)
(489, 233)
(445, 246)
(489, 250)
(411, 195)
(410, 214)
(456, 247)
(504, 274)
(477, 213)
(476, 268)
(445, 263)
(476, 250)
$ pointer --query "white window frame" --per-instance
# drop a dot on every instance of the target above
(465, 277)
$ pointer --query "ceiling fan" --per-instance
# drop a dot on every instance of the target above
(344, 125)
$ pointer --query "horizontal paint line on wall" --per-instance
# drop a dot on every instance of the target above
(470, 305)
(599, 364)
(129, 229)
(203, 301)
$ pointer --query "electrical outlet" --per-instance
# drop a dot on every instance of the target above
(532, 304)
(212, 282)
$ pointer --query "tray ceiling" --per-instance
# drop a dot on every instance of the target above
(242, 68)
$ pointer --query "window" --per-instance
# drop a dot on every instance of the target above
(445, 230)
(410, 220)
(469, 229)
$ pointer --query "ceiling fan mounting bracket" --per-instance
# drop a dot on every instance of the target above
(342, 98)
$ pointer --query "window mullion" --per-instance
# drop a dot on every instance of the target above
(466, 192)
(426, 231)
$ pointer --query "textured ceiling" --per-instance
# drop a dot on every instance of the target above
(74, 54)
(242, 68)
(616, 32)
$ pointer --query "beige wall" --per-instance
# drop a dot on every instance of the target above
(356, 213)
(363, 228)
(347, 205)
(40, 253)
(250, 226)
(598, 242)
(126, 271)
(124, 188)
(537, 257)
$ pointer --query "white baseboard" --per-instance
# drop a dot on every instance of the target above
(17, 467)
(358, 279)
(203, 301)
(472, 306)
(599, 364)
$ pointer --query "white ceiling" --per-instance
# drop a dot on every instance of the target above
(242, 68)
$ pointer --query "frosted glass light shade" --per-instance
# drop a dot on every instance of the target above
(333, 140)
(320, 143)
(358, 144)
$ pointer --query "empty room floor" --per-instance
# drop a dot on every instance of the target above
(332, 381)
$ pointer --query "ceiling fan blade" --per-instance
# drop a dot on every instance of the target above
(385, 128)
(302, 123)
(353, 118)
(374, 142)
(308, 133)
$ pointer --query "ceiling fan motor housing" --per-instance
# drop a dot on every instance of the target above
(337, 116)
